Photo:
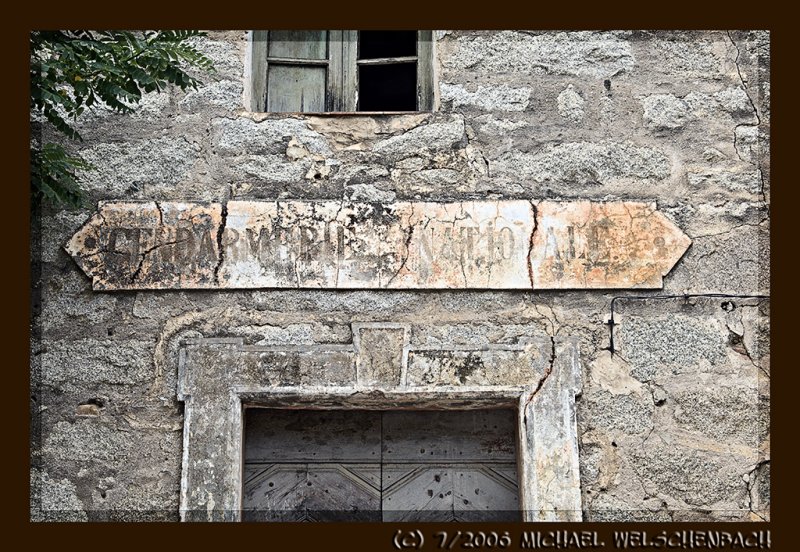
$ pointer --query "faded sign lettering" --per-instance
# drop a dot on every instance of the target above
(404, 245)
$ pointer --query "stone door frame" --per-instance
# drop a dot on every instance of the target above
(219, 377)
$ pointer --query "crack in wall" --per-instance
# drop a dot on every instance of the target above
(736, 142)
(704, 255)
(160, 213)
(750, 480)
(146, 253)
(656, 403)
(409, 236)
(755, 112)
(220, 248)
(730, 230)
(553, 321)
(741, 348)
(742, 79)
(535, 213)
(545, 376)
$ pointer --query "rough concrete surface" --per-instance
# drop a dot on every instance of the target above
(673, 426)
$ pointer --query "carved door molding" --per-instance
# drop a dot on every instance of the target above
(381, 370)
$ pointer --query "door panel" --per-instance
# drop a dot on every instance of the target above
(452, 435)
(371, 465)
(273, 435)
(312, 492)
(452, 492)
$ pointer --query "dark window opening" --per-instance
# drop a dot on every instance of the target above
(386, 44)
(387, 87)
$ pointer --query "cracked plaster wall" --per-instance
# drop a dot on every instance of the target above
(673, 426)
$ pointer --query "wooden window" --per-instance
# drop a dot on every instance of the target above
(340, 71)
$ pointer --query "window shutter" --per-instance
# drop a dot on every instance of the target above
(425, 70)
(256, 93)
(296, 67)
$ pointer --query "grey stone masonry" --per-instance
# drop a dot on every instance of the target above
(634, 167)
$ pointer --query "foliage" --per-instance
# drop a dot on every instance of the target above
(53, 175)
(74, 70)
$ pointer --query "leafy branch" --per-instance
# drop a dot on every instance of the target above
(71, 71)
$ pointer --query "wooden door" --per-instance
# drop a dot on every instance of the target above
(351, 465)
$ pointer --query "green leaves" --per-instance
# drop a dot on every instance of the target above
(72, 70)
(53, 175)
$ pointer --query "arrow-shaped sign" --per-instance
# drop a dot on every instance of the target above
(403, 245)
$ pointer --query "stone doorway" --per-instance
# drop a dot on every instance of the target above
(372, 465)
(220, 379)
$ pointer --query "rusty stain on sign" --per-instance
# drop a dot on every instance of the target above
(404, 245)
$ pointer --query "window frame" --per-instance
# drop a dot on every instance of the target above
(341, 88)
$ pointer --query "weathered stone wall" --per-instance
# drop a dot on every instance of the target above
(672, 426)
